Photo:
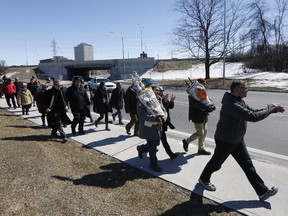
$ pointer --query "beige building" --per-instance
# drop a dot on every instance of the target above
(83, 52)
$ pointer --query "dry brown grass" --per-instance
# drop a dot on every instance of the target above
(24, 73)
(162, 66)
(42, 176)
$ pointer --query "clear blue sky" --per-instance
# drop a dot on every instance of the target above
(36, 23)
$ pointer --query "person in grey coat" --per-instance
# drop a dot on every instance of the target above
(229, 138)
(150, 128)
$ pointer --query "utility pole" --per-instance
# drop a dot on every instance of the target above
(54, 47)
(224, 46)
(141, 37)
(123, 54)
(25, 46)
(26, 52)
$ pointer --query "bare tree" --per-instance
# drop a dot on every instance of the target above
(280, 17)
(3, 67)
(281, 7)
(261, 27)
(200, 31)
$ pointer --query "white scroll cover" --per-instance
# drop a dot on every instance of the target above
(150, 101)
(137, 86)
(198, 92)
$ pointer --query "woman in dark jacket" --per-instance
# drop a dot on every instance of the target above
(117, 98)
(40, 102)
(100, 104)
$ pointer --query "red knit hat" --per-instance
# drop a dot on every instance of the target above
(201, 80)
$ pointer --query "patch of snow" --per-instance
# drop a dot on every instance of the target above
(232, 71)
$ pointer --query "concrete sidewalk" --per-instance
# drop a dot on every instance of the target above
(233, 188)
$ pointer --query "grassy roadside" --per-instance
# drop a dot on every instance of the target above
(25, 73)
(41, 176)
(217, 83)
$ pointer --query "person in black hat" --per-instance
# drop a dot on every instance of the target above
(101, 105)
(55, 106)
(78, 100)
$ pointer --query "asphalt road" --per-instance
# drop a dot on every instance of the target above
(270, 134)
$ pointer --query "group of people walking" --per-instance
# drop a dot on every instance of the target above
(229, 135)
(19, 95)
(53, 104)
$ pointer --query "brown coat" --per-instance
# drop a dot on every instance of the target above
(24, 97)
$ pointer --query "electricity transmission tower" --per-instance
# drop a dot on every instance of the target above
(54, 47)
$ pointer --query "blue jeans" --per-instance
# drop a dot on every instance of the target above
(242, 157)
(118, 112)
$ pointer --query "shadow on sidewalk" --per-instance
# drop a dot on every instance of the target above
(114, 175)
(246, 204)
(196, 206)
(107, 141)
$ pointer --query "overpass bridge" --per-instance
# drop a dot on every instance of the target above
(119, 69)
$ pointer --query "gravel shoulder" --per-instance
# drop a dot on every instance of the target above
(42, 176)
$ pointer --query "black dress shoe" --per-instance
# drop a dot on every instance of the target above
(55, 135)
(204, 152)
(140, 153)
(82, 132)
(174, 156)
(185, 145)
(64, 140)
(156, 168)
(96, 123)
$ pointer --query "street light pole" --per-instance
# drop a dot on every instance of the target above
(141, 37)
(25, 46)
(224, 39)
(123, 55)
(124, 73)
(26, 52)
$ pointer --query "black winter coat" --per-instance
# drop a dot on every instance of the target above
(32, 88)
(59, 102)
(117, 98)
(77, 98)
(101, 101)
(40, 102)
(198, 112)
(130, 100)
(168, 105)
